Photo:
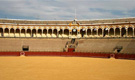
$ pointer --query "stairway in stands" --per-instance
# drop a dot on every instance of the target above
(71, 45)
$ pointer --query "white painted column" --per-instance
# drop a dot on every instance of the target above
(86, 32)
(103, 32)
(3, 32)
(91, 32)
(8, 33)
(36, 32)
(52, 33)
(41, 32)
(47, 33)
(126, 32)
(14, 32)
(114, 32)
(97, 32)
(25, 32)
(133, 32)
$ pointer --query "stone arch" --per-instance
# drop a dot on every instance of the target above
(60, 32)
(74, 32)
(22, 33)
(117, 32)
(89, 32)
(123, 32)
(6, 33)
(54, 33)
(82, 32)
(100, 32)
(105, 34)
(111, 32)
(1, 32)
(17, 33)
(130, 32)
(44, 33)
(94, 32)
(12, 31)
(49, 33)
(34, 32)
(66, 33)
(39, 34)
(28, 34)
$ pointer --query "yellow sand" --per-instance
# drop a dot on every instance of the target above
(65, 68)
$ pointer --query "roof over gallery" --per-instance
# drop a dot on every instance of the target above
(47, 22)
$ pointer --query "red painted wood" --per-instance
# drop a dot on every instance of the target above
(71, 49)
(9, 53)
(125, 56)
(74, 54)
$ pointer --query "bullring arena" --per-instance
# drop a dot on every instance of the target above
(67, 50)
(87, 38)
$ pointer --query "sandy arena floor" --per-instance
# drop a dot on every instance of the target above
(65, 68)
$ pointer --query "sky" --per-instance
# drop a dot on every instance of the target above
(65, 9)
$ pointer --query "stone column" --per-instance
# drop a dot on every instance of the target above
(9, 33)
(20, 32)
(41, 32)
(126, 32)
(58, 33)
(36, 32)
(25, 32)
(108, 32)
(86, 32)
(31, 33)
(133, 32)
(97, 32)
(62, 32)
(114, 32)
(14, 32)
(91, 32)
(120, 32)
(78, 32)
(47, 33)
(3, 32)
(52, 33)
(103, 32)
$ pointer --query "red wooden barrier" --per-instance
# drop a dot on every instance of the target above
(9, 53)
(124, 56)
(74, 54)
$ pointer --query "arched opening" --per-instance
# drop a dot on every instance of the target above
(23, 33)
(6, 34)
(49, 33)
(54, 33)
(17, 33)
(74, 32)
(11, 32)
(60, 33)
(66, 33)
(111, 32)
(39, 33)
(105, 32)
(1, 32)
(94, 32)
(44, 33)
(123, 32)
(117, 32)
(28, 34)
(82, 32)
(100, 32)
(130, 32)
(89, 32)
(34, 33)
